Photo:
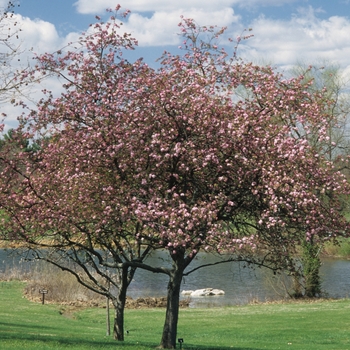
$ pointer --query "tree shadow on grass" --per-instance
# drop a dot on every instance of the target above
(31, 341)
(4, 325)
(204, 347)
(34, 334)
(46, 334)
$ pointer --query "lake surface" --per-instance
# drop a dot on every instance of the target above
(241, 284)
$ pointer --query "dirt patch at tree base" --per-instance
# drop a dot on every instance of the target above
(150, 302)
(139, 303)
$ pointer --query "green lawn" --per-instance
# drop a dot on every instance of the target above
(312, 326)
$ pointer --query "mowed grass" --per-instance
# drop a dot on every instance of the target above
(311, 326)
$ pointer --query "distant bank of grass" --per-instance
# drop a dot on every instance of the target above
(309, 326)
(341, 250)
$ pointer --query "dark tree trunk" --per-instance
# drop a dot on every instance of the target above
(118, 327)
(172, 312)
(119, 302)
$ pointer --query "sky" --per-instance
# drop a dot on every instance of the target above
(285, 31)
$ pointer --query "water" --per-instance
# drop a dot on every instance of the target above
(335, 275)
(12, 259)
(241, 284)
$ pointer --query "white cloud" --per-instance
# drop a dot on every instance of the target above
(305, 37)
(162, 27)
(262, 3)
(38, 36)
(3, 4)
(98, 6)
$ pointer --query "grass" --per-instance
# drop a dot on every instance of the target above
(311, 326)
(341, 250)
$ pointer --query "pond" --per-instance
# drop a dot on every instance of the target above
(241, 284)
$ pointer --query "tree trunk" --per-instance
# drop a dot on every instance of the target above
(118, 327)
(173, 299)
(119, 305)
(119, 302)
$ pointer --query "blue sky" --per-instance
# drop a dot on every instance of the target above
(285, 31)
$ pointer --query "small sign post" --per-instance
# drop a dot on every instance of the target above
(43, 292)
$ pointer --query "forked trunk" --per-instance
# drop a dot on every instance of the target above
(172, 312)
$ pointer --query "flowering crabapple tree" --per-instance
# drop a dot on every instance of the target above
(134, 159)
